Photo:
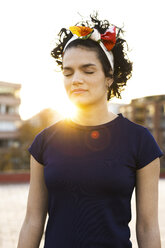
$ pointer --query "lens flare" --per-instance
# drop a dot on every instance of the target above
(95, 134)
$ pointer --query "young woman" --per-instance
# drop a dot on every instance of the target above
(84, 170)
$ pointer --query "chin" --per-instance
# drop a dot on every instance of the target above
(79, 103)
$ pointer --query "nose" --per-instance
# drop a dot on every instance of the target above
(77, 79)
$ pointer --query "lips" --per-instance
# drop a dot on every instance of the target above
(78, 91)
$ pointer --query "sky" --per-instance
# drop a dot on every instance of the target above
(28, 29)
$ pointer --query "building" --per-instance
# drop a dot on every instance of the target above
(115, 107)
(9, 114)
(149, 112)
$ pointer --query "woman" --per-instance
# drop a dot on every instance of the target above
(84, 170)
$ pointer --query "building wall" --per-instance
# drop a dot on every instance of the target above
(9, 113)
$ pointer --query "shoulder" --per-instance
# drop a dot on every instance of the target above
(42, 139)
(46, 132)
(138, 136)
(45, 135)
(134, 128)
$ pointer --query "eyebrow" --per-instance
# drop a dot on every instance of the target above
(88, 65)
(83, 66)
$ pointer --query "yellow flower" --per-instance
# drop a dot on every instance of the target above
(80, 30)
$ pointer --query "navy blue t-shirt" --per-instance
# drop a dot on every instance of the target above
(90, 173)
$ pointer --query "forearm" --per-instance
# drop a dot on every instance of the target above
(148, 237)
(30, 235)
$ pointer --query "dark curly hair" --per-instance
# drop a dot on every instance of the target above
(122, 65)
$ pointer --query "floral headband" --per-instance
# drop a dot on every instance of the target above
(107, 40)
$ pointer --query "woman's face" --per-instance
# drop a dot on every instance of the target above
(84, 79)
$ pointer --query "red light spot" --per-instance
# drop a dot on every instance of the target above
(95, 134)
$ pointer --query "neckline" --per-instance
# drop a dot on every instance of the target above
(112, 122)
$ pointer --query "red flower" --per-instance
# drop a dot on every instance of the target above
(109, 38)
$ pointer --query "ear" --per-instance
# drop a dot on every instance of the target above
(109, 81)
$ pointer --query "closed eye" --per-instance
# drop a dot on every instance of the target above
(89, 72)
(67, 75)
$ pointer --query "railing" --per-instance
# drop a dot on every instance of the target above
(13, 177)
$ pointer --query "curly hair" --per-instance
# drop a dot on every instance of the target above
(122, 65)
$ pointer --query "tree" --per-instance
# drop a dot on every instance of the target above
(17, 158)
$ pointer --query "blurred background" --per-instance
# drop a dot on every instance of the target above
(32, 95)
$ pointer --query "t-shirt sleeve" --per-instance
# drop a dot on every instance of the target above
(36, 148)
(148, 149)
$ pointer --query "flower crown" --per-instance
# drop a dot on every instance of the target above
(107, 40)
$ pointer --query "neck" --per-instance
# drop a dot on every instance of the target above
(93, 115)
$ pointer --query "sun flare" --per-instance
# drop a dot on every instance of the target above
(67, 109)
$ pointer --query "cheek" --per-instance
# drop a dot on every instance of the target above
(100, 83)
(66, 84)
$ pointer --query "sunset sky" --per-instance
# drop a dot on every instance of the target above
(28, 29)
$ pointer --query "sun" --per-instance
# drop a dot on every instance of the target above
(66, 109)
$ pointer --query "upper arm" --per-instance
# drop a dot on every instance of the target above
(147, 194)
(38, 195)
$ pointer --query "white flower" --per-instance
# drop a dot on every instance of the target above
(111, 29)
(95, 35)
